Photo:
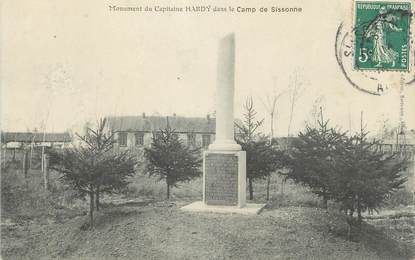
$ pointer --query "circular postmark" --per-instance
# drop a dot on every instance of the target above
(374, 49)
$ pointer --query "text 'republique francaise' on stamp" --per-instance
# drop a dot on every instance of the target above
(375, 46)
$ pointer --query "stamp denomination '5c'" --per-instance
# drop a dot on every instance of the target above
(382, 36)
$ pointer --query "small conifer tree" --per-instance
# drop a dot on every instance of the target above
(171, 160)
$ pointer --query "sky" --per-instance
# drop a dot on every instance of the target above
(67, 62)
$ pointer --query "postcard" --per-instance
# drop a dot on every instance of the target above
(210, 71)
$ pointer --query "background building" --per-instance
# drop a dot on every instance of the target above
(136, 132)
(20, 139)
(16, 145)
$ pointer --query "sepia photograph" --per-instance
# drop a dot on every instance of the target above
(136, 129)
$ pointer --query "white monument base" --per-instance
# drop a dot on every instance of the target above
(224, 185)
(249, 209)
(224, 178)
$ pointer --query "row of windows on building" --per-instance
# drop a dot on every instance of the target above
(139, 139)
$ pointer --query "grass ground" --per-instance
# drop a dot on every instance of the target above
(143, 225)
(160, 230)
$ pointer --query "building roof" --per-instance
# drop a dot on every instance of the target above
(154, 123)
(28, 137)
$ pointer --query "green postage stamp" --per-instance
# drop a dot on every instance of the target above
(382, 36)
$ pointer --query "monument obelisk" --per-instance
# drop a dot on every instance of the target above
(225, 86)
(224, 163)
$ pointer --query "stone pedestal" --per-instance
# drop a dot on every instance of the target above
(224, 178)
(224, 185)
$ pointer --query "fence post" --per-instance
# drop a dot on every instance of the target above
(46, 171)
(24, 163)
